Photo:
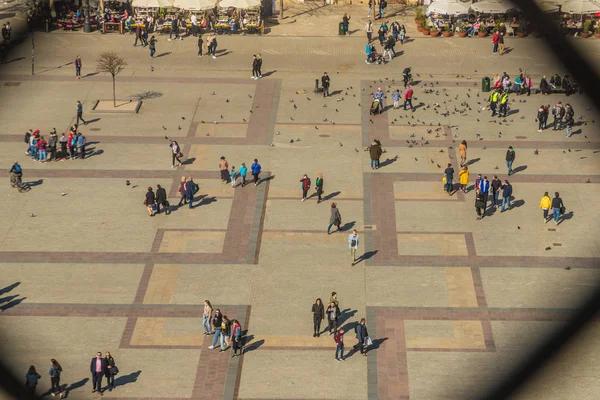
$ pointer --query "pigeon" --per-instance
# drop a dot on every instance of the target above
(416, 159)
(341, 144)
(213, 93)
(356, 150)
(222, 117)
(207, 134)
(164, 128)
(291, 140)
(496, 167)
(244, 119)
(201, 121)
(179, 127)
(295, 107)
(316, 127)
(548, 248)
(307, 98)
(127, 183)
(568, 268)
(183, 118)
(226, 100)
(151, 68)
(536, 152)
(32, 215)
(250, 96)
(518, 227)
(439, 166)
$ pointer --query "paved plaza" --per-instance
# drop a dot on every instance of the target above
(451, 302)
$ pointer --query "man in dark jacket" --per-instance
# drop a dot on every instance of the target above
(375, 153)
(558, 207)
(190, 190)
(510, 158)
(138, 34)
(361, 336)
(506, 193)
(97, 368)
(496, 185)
(52, 141)
(174, 29)
(333, 314)
(449, 174)
(161, 199)
(255, 73)
(325, 81)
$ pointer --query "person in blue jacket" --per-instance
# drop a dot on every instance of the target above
(255, 167)
(243, 171)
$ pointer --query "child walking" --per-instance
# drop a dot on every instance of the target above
(243, 171)
(233, 175)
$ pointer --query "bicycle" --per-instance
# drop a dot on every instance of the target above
(16, 182)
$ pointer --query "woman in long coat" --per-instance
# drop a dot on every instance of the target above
(335, 218)
(462, 149)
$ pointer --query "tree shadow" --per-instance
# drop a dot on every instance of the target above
(472, 161)
(11, 304)
(366, 256)
(189, 161)
(331, 196)
(9, 288)
(125, 379)
(269, 73)
(163, 54)
(347, 226)
(388, 161)
(519, 169)
(147, 95)
(253, 346)
(35, 183)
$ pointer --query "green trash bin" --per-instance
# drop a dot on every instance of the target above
(485, 84)
(341, 29)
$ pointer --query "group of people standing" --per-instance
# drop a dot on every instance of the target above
(39, 149)
(333, 314)
(388, 36)
(559, 113)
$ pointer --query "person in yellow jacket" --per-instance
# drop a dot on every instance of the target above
(545, 205)
(464, 178)
(503, 100)
(494, 101)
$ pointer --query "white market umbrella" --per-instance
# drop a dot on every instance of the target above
(492, 6)
(448, 7)
(243, 4)
(153, 3)
(581, 7)
(194, 5)
(547, 6)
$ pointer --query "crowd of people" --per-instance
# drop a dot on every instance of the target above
(387, 36)
(72, 146)
(227, 333)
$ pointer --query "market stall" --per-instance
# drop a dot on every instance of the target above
(493, 6)
(197, 8)
(242, 14)
(157, 10)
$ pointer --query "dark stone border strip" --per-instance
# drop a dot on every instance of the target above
(131, 78)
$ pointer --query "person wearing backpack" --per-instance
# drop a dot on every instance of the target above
(361, 335)
(191, 188)
(557, 112)
(42, 145)
(31, 379)
(81, 141)
(569, 119)
(27, 140)
(305, 186)
(540, 118)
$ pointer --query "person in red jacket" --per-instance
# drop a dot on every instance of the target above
(495, 38)
(305, 186)
(338, 338)
(408, 94)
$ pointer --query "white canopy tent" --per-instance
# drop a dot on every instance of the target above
(194, 5)
(243, 4)
(448, 7)
(548, 6)
(152, 3)
(581, 7)
(493, 6)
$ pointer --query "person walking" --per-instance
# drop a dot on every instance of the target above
(31, 380)
(256, 168)
(225, 333)
(463, 178)
(206, 318)
(493, 99)
(42, 146)
(182, 191)
(77, 63)
(325, 82)
(97, 368)
(161, 200)
(462, 150)
(111, 371)
(506, 193)
(260, 61)
(200, 44)
(338, 338)
(479, 203)
(138, 35)
(233, 176)
(174, 29)
(545, 116)
(540, 118)
(369, 28)
(333, 314)
(382, 7)
(80, 113)
(243, 172)
(396, 97)
(191, 188)
(176, 153)
(496, 185)
(370, 8)
(545, 205)
(495, 37)
(144, 37)
(305, 186)
(334, 219)
(503, 100)
(214, 46)
(217, 323)
(569, 119)
(319, 186)
(408, 94)
(318, 312)
(501, 44)
(194, 21)
(361, 336)
(152, 46)
(353, 242)
(224, 169)
(150, 201)
(510, 158)
(402, 34)
(236, 338)
(375, 152)
(558, 207)
(449, 175)
(55, 372)
(254, 67)
(558, 113)
(484, 187)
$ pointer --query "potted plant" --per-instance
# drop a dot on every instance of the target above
(433, 32)
(597, 32)
(522, 29)
(424, 27)
(420, 24)
(418, 15)
(446, 32)
(587, 29)
(482, 31)
(460, 30)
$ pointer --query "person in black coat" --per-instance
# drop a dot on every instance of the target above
(318, 311)
(111, 371)
(333, 314)
(161, 199)
(255, 73)
(190, 190)
(97, 368)
(149, 202)
(545, 87)
(361, 336)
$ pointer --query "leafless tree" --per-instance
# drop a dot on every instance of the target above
(110, 63)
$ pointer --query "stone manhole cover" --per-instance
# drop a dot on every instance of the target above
(94, 129)
(521, 137)
(323, 135)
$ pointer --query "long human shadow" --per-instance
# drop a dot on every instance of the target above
(366, 256)
(9, 288)
(11, 304)
(125, 379)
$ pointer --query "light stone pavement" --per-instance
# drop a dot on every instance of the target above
(451, 303)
